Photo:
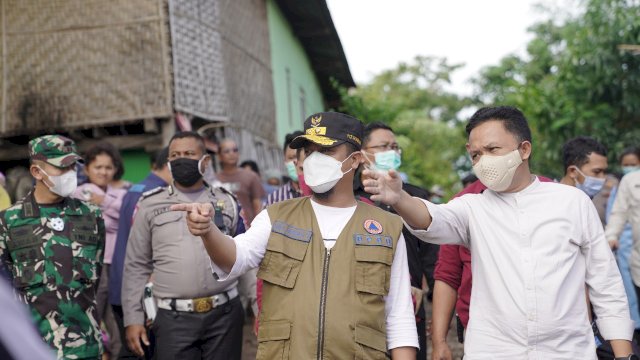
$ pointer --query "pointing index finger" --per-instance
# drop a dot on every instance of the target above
(182, 207)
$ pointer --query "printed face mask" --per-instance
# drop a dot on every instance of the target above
(629, 169)
(591, 185)
(63, 185)
(497, 172)
(322, 172)
(185, 171)
(291, 170)
(386, 160)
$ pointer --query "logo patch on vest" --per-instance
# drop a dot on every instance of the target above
(372, 226)
(373, 240)
(56, 224)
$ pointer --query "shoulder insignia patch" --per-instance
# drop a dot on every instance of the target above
(152, 192)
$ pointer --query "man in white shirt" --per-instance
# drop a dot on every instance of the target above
(335, 273)
(534, 247)
(626, 209)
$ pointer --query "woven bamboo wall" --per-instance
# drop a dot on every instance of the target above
(245, 50)
(82, 63)
(199, 81)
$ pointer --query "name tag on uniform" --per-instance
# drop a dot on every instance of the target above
(291, 232)
(373, 240)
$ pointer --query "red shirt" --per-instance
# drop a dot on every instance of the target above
(454, 263)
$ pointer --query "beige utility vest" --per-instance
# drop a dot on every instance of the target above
(326, 304)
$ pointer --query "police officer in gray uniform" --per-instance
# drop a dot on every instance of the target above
(198, 317)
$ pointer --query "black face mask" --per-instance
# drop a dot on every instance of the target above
(185, 172)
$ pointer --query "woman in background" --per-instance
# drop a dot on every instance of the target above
(102, 164)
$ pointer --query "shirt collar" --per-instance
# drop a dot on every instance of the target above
(535, 183)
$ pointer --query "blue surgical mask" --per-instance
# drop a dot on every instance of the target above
(387, 160)
(629, 169)
(591, 185)
(291, 170)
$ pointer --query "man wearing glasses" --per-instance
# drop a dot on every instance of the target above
(382, 153)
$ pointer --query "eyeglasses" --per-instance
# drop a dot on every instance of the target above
(385, 147)
(227, 151)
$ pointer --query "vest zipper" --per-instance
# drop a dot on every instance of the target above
(323, 304)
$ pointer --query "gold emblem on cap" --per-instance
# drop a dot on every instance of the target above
(315, 121)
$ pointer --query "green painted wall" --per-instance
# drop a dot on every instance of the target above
(296, 89)
(136, 165)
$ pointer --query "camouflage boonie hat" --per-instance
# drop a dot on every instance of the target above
(56, 150)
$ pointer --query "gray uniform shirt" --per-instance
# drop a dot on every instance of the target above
(160, 243)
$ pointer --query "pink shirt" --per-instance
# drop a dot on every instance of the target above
(110, 212)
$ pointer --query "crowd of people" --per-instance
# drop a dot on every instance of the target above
(334, 258)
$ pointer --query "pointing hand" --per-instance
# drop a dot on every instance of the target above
(383, 187)
(198, 216)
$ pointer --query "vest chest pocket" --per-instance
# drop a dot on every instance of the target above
(84, 230)
(274, 340)
(28, 256)
(85, 240)
(373, 269)
(370, 344)
(282, 261)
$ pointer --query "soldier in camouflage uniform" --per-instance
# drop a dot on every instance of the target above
(52, 245)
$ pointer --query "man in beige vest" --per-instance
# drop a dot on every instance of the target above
(336, 280)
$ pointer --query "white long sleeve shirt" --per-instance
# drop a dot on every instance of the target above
(400, 320)
(626, 208)
(533, 252)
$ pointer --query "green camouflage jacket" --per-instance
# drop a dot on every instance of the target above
(54, 254)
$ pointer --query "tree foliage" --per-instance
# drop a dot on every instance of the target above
(574, 81)
(413, 100)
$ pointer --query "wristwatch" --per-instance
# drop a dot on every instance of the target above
(630, 357)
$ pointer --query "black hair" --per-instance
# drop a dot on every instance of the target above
(631, 150)
(252, 164)
(105, 148)
(512, 119)
(576, 151)
(371, 127)
(351, 148)
(189, 135)
(160, 158)
(289, 138)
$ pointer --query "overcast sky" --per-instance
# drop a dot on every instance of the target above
(377, 35)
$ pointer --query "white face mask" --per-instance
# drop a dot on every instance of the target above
(63, 185)
(496, 172)
(322, 172)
